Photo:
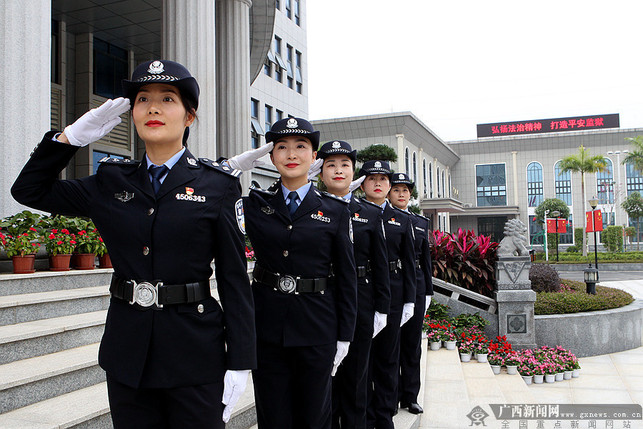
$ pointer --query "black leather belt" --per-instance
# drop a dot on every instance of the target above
(286, 283)
(394, 265)
(147, 294)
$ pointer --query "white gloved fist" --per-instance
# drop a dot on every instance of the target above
(342, 351)
(379, 323)
(315, 169)
(427, 304)
(97, 123)
(234, 383)
(356, 184)
(251, 158)
(407, 312)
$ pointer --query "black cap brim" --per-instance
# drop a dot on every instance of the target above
(313, 137)
(186, 86)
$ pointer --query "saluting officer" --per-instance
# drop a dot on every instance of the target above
(385, 353)
(373, 291)
(168, 344)
(305, 318)
(411, 336)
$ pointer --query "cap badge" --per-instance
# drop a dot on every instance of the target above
(377, 164)
(156, 67)
(336, 145)
(401, 176)
(292, 123)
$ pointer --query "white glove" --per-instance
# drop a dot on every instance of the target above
(97, 123)
(250, 158)
(315, 169)
(379, 323)
(427, 304)
(356, 184)
(407, 312)
(234, 383)
(342, 351)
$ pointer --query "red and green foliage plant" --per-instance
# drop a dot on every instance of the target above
(465, 259)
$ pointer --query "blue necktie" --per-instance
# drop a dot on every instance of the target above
(157, 172)
(292, 205)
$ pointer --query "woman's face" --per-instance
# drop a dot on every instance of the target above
(376, 187)
(292, 156)
(337, 174)
(400, 196)
(159, 114)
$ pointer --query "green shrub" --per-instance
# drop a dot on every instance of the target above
(544, 278)
(612, 238)
(574, 299)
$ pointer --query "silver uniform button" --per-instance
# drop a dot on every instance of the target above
(285, 253)
(199, 308)
(146, 251)
(289, 227)
(150, 212)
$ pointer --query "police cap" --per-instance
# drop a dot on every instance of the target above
(337, 147)
(402, 179)
(375, 167)
(293, 127)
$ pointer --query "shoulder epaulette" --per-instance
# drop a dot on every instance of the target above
(222, 168)
(256, 187)
(364, 200)
(118, 161)
(420, 216)
(333, 196)
(399, 210)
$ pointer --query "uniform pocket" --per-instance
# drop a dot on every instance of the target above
(200, 309)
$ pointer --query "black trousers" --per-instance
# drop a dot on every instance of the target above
(384, 370)
(194, 407)
(293, 386)
(349, 386)
(410, 354)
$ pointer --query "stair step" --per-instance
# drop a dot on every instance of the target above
(40, 337)
(43, 305)
(46, 281)
(36, 379)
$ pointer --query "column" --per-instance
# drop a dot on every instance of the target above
(25, 88)
(400, 153)
(515, 174)
(187, 30)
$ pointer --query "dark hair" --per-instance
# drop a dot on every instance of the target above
(189, 106)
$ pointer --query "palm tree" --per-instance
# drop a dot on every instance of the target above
(635, 157)
(582, 163)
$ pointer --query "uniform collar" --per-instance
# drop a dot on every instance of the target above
(170, 162)
(301, 192)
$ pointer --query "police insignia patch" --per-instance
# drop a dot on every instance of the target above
(241, 221)
(191, 161)
(336, 145)
(124, 196)
(267, 210)
(377, 164)
(156, 67)
(292, 123)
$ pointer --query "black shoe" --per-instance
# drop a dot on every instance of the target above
(414, 408)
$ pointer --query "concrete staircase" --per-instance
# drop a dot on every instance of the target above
(50, 328)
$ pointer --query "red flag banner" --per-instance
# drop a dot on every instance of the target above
(562, 226)
(551, 226)
(598, 220)
(552, 229)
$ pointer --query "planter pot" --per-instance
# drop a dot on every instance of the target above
(496, 369)
(59, 262)
(550, 378)
(567, 375)
(538, 378)
(105, 261)
(559, 376)
(576, 373)
(84, 261)
(435, 345)
(450, 345)
(527, 378)
(512, 369)
(482, 357)
(23, 264)
(465, 357)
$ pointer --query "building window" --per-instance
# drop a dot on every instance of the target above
(424, 177)
(430, 180)
(267, 67)
(407, 167)
(563, 184)
(55, 52)
(449, 187)
(289, 67)
(297, 13)
(110, 68)
(535, 231)
(298, 75)
(289, 8)
(277, 5)
(437, 180)
(280, 115)
(534, 184)
(493, 227)
(415, 169)
(605, 184)
(280, 63)
(444, 195)
(491, 189)
(633, 179)
(255, 126)
(268, 117)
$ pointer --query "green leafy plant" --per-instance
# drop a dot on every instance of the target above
(59, 242)
(376, 152)
(21, 244)
(633, 206)
(544, 278)
(20, 223)
(574, 299)
(88, 241)
(612, 238)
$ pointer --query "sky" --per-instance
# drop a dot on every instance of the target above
(455, 64)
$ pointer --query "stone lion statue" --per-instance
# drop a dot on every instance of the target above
(515, 241)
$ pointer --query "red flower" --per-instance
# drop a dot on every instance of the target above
(59, 242)
(54, 231)
(73, 242)
(65, 231)
(81, 232)
(33, 229)
(52, 236)
(100, 239)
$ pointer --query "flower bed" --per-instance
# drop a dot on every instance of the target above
(573, 298)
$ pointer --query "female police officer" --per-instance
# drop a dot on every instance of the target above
(167, 343)
(384, 361)
(373, 292)
(304, 320)
(411, 335)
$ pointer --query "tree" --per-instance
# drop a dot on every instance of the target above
(633, 206)
(583, 163)
(551, 204)
(635, 157)
(377, 152)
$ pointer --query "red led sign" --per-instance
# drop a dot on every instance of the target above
(576, 123)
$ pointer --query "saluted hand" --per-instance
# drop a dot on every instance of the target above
(356, 184)
(234, 384)
(251, 158)
(407, 312)
(379, 322)
(97, 123)
(315, 169)
(342, 351)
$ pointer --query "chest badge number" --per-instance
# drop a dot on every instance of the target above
(320, 217)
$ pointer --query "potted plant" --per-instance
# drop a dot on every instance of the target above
(59, 244)
(22, 249)
(539, 374)
(526, 373)
(465, 352)
(104, 261)
(511, 362)
(550, 372)
(482, 351)
(87, 246)
(435, 339)
(449, 339)
(496, 361)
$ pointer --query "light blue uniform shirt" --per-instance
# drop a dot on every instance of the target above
(301, 192)
(169, 163)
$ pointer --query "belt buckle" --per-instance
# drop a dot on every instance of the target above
(287, 284)
(146, 294)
